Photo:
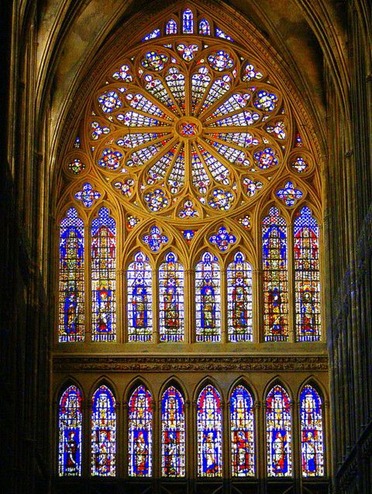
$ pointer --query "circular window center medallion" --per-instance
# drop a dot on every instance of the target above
(188, 127)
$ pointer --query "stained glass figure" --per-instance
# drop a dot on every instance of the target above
(239, 299)
(222, 239)
(171, 27)
(275, 276)
(140, 426)
(173, 434)
(187, 22)
(171, 299)
(71, 278)
(307, 276)
(103, 433)
(87, 195)
(70, 433)
(278, 433)
(242, 429)
(103, 276)
(209, 433)
(207, 296)
(204, 27)
(312, 442)
(139, 290)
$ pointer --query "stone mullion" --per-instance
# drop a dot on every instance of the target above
(257, 305)
(190, 306)
(123, 441)
(88, 304)
(296, 445)
(120, 307)
(86, 410)
(327, 446)
(291, 292)
(155, 302)
(260, 440)
(224, 305)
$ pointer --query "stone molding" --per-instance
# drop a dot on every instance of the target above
(78, 363)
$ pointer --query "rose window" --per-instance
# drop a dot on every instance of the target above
(188, 123)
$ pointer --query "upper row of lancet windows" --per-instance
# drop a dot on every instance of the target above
(188, 24)
(161, 294)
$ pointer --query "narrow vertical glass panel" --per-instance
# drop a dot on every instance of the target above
(140, 433)
(239, 299)
(209, 430)
(187, 22)
(307, 284)
(242, 433)
(312, 443)
(71, 278)
(275, 276)
(103, 275)
(171, 27)
(171, 299)
(204, 27)
(139, 289)
(103, 433)
(70, 428)
(278, 433)
(207, 297)
(173, 433)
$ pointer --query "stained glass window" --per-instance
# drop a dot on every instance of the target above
(278, 433)
(103, 276)
(140, 416)
(187, 22)
(239, 299)
(242, 432)
(204, 27)
(171, 299)
(103, 433)
(307, 284)
(173, 433)
(70, 432)
(171, 27)
(275, 276)
(139, 290)
(71, 278)
(209, 433)
(207, 297)
(312, 443)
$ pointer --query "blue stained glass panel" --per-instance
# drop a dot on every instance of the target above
(242, 432)
(139, 290)
(140, 417)
(209, 433)
(312, 442)
(70, 433)
(207, 297)
(173, 427)
(171, 299)
(103, 275)
(71, 278)
(239, 299)
(103, 433)
(278, 433)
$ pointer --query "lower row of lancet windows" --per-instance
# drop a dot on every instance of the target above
(209, 433)
(211, 285)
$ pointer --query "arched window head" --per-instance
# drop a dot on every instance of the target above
(242, 427)
(173, 433)
(171, 27)
(239, 299)
(140, 433)
(171, 299)
(204, 27)
(103, 275)
(187, 22)
(70, 421)
(307, 274)
(139, 293)
(209, 433)
(207, 297)
(312, 435)
(275, 276)
(71, 278)
(278, 433)
(103, 433)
